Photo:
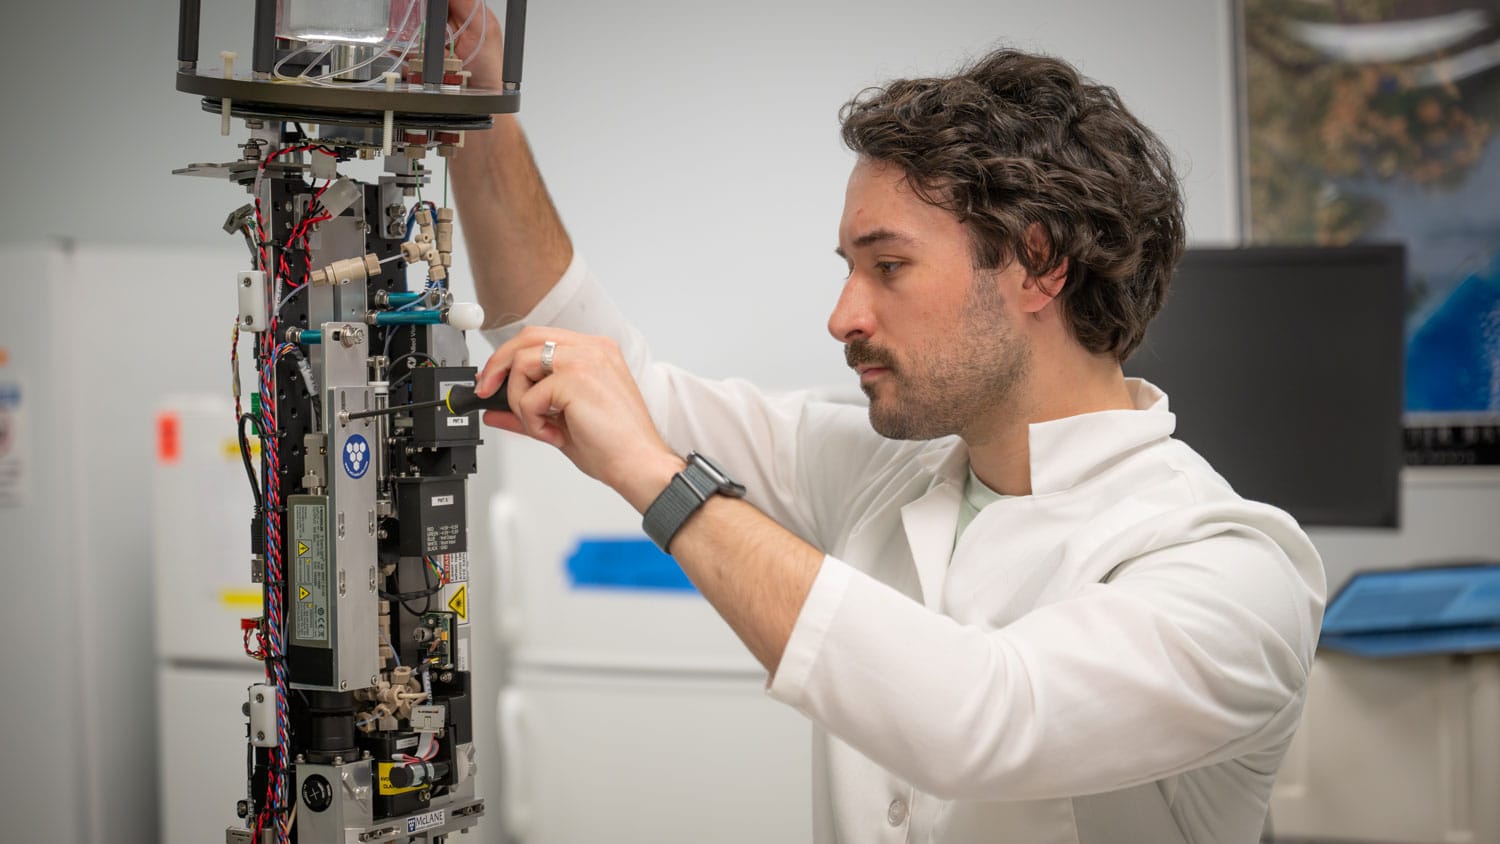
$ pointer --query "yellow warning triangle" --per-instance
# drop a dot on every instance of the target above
(302, 593)
(302, 549)
(459, 603)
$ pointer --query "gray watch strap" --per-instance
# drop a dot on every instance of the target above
(682, 498)
(689, 489)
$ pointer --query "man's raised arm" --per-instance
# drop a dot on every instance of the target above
(517, 245)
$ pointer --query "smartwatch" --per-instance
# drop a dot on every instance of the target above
(689, 489)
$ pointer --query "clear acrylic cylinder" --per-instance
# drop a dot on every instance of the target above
(338, 21)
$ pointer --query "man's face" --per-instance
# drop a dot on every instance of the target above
(931, 337)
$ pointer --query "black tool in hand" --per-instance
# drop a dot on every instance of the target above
(460, 400)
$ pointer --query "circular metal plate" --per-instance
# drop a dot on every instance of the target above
(406, 99)
(361, 119)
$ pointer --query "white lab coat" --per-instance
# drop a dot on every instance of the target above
(1121, 656)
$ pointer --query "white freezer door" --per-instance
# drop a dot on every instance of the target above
(202, 751)
(640, 758)
(544, 507)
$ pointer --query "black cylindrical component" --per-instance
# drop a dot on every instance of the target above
(515, 43)
(330, 723)
(432, 45)
(189, 16)
(263, 48)
(406, 776)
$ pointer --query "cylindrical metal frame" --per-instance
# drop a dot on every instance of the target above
(188, 24)
(515, 44)
(263, 48)
(432, 44)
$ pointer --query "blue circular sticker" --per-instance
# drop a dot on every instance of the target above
(356, 456)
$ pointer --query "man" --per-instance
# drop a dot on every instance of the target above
(1017, 610)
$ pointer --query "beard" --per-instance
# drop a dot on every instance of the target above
(953, 381)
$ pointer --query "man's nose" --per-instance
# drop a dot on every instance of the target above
(851, 318)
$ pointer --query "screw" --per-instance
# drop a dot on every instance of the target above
(446, 676)
(260, 735)
(374, 679)
(343, 684)
(365, 755)
(248, 319)
(245, 282)
(338, 760)
(260, 697)
(242, 808)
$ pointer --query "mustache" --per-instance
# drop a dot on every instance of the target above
(859, 352)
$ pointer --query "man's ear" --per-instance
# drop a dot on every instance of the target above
(1038, 291)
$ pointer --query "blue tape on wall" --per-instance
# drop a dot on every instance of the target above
(637, 564)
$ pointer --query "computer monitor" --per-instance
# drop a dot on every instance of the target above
(1284, 367)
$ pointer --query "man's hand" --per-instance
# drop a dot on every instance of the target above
(486, 65)
(588, 407)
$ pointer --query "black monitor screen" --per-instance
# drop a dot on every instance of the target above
(1284, 367)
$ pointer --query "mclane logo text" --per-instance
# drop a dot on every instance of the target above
(426, 820)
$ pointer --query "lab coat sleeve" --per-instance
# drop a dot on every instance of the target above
(760, 439)
(1191, 655)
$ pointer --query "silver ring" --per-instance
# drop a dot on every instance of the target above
(549, 349)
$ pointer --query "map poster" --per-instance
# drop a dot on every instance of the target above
(1379, 121)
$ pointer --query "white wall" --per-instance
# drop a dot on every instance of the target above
(692, 146)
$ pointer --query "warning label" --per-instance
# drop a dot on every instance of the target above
(456, 592)
(456, 567)
(311, 611)
(459, 602)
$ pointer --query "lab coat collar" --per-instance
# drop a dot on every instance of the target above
(1067, 451)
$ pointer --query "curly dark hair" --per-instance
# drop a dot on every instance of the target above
(1019, 139)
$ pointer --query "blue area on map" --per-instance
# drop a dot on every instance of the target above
(610, 563)
(1453, 359)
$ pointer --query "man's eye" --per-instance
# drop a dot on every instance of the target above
(887, 267)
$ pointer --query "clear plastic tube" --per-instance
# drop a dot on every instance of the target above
(483, 25)
(453, 36)
(381, 51)
(327, 48)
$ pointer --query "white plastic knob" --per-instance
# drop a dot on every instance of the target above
(465, 316)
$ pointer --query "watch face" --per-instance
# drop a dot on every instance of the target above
(725, 484)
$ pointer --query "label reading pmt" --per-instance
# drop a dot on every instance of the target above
(426, 820)
(462, 419)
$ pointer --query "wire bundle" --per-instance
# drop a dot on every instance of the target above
(273, 648)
